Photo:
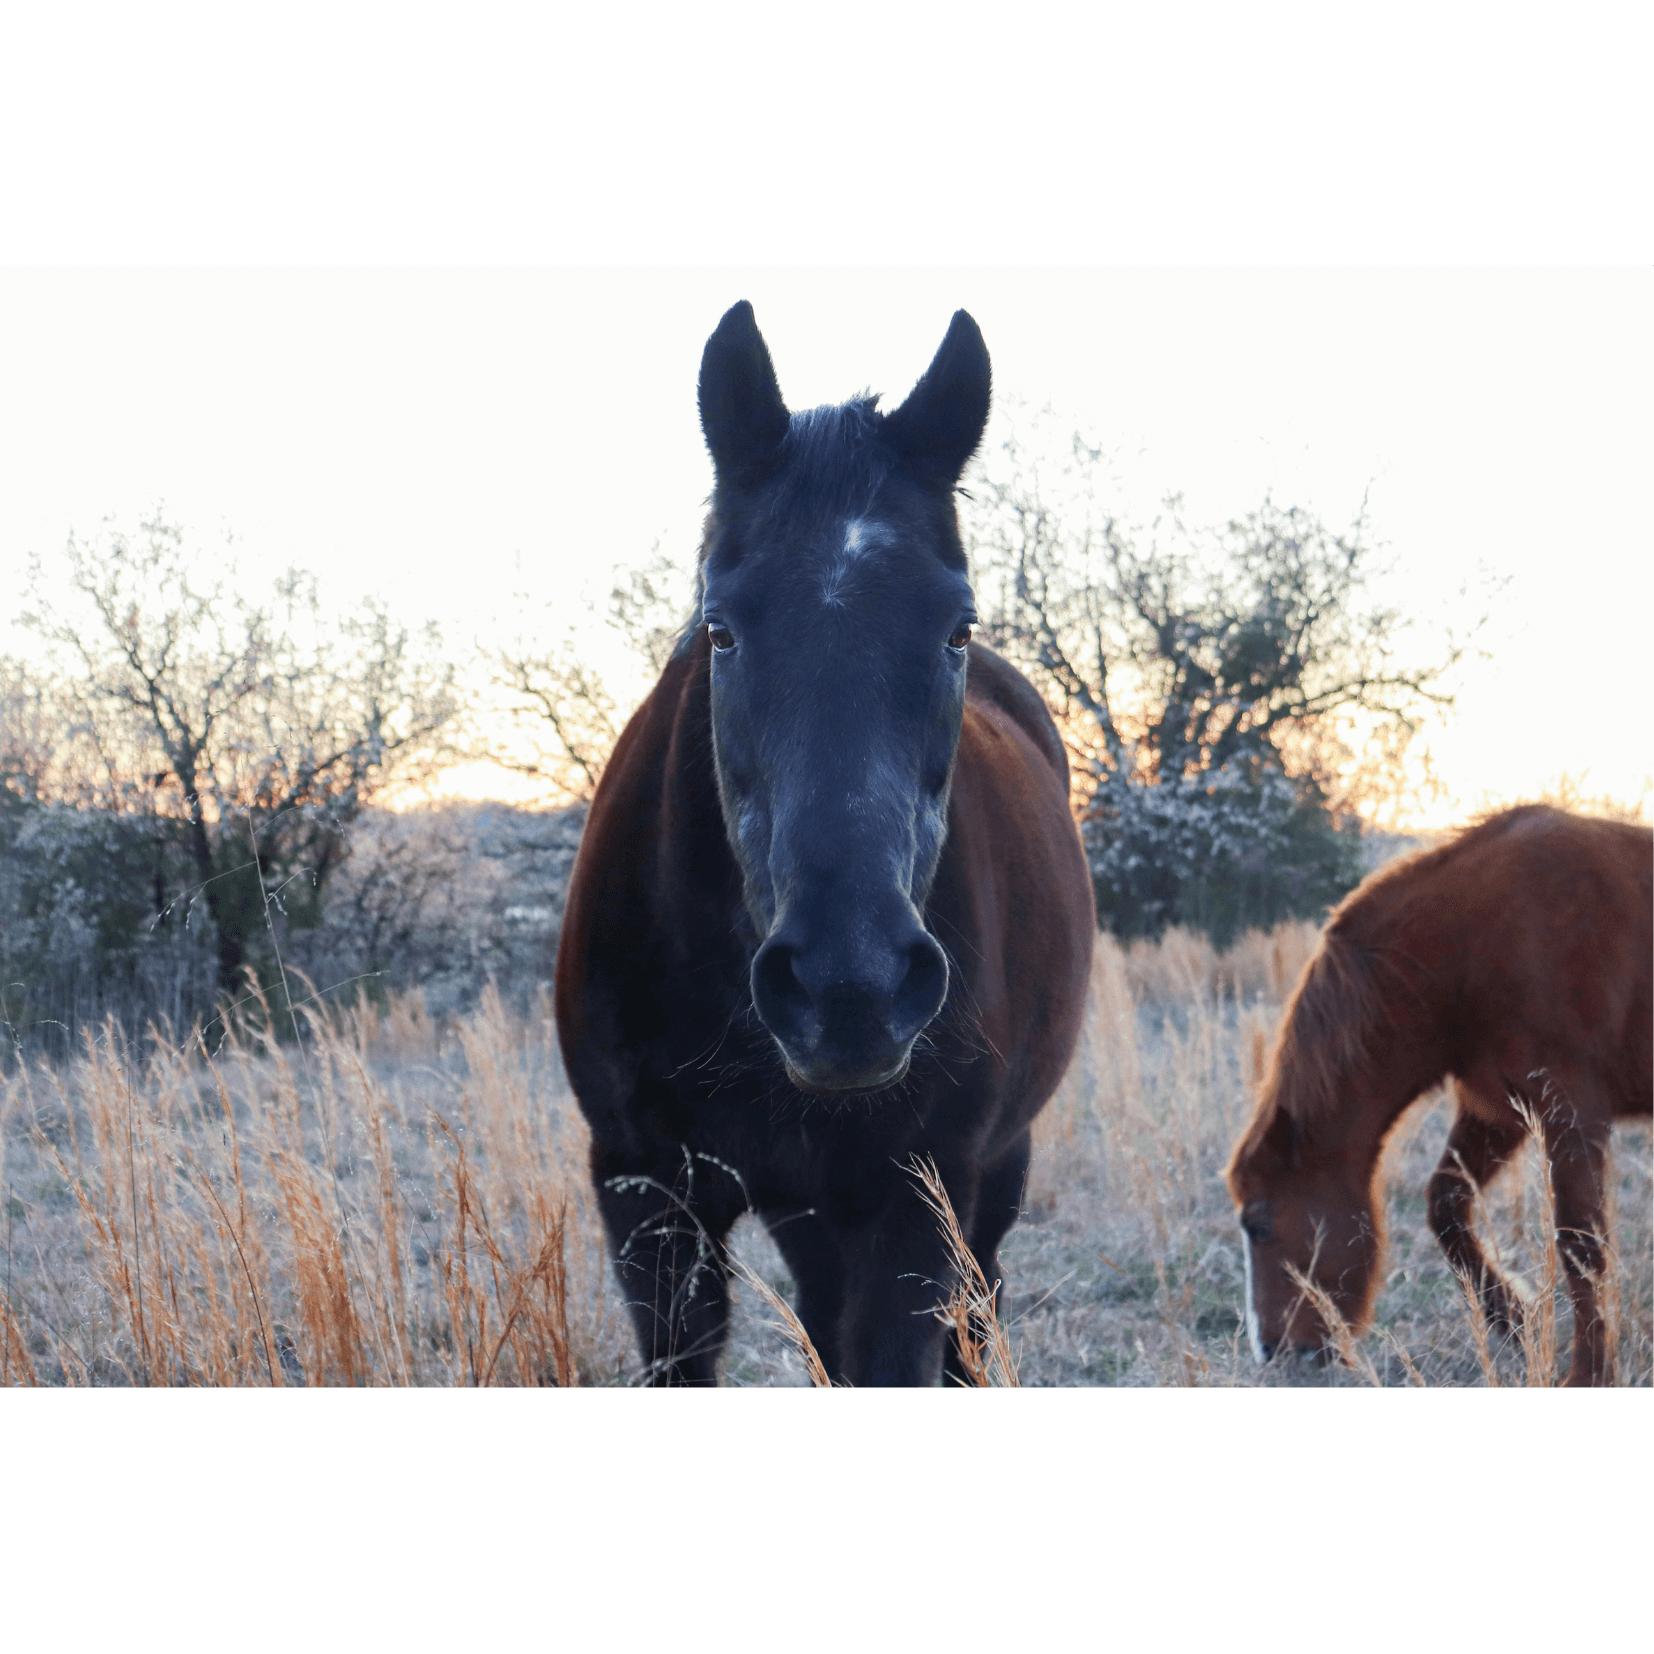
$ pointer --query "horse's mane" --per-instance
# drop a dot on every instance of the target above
(1330, 1030)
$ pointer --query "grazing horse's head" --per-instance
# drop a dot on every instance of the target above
(838, 608)
(1307, 1214)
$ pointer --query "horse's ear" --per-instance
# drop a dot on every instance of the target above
(937, 429)
(742, 413)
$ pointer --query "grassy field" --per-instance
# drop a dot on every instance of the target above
(390, 1201)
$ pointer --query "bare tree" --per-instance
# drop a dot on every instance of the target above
(558, 704)
(250, 732)
(1201, 647)
(553, 693)
(1208, 682)
(31, 730)
(648, 605)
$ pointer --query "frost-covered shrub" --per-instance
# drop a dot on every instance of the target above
(82, 934)
(445, 899)
(1216, 850)
(98, 917)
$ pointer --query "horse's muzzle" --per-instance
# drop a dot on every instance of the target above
(848, 1025)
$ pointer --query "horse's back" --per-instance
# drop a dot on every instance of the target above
(1562, 907)
(1537, 924)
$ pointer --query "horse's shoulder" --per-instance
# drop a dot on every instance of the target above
(994, 685)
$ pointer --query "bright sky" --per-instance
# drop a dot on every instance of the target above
(447, 439)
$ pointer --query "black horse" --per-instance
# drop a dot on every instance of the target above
(830, 910)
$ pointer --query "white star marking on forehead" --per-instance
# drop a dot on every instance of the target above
(861, 535)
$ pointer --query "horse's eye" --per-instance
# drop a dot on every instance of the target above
(723, 639)
(961, 636)
(1256, 1222)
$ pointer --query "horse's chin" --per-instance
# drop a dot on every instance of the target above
(847, 1089)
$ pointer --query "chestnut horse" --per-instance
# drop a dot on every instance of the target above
(1515, 960)
(830, 910)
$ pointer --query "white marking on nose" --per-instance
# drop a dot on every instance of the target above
(854, 537)
(1254, 1336)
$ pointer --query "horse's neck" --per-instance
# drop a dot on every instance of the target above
(695, 863)
(1367, 1046)
(1373, 1091)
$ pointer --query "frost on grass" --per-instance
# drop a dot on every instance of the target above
(387, 1201)
(399, 1199)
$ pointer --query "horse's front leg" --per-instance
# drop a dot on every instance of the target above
(1476, 1149)
(1578, 1147)
(668, 1228)
(816, 1260)
(900, 1275)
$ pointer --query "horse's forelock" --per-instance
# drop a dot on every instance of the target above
(833, 457)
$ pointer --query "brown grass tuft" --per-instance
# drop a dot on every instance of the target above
(970, 1311)
(791, 1328)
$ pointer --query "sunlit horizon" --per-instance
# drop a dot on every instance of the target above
(485, 449)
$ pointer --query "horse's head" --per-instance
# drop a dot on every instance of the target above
(838, 609)
(1307, 1215)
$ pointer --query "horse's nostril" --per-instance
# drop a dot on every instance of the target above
(1267, 1349)
(922, 990)
(783, 1001)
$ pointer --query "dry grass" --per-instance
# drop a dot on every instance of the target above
(787, 1324)
(971, 1312)
(395, 1203)
(382, 1204)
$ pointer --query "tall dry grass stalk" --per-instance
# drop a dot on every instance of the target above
(971, 1311)
(324, 1213)
(1537, 1329)
(1339, 1332)
(1532, 1355)
(788, 1324)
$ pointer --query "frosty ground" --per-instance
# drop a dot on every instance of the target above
(401, 1199)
